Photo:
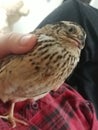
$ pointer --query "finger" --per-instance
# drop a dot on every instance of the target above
(16, 43)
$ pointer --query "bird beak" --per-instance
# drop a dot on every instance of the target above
(80, 42)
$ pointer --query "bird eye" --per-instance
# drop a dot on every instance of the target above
(71, 29)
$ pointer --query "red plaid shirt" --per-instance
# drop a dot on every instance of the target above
(64, 109)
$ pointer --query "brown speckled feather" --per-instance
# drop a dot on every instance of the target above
(46, 66)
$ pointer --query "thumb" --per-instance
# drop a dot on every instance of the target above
(16, 43)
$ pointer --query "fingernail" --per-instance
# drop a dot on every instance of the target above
(25, 39)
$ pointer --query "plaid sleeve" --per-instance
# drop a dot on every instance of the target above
(64, 109)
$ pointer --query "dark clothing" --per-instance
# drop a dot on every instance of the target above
(64, 109)
(85, 77)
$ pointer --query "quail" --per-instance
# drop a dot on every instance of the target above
(44, 68)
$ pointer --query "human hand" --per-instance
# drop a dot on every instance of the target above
(16, 43)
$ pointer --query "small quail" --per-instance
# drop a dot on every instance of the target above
(44, 68)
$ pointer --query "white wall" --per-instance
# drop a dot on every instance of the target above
(39, 9)
(94, 3)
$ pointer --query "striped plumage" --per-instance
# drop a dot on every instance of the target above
(46, 66)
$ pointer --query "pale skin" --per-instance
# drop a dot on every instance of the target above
(16, 43)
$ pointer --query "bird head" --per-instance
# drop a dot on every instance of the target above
(75, 32)
(71, 35)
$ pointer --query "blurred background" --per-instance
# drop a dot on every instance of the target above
(38, 10)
